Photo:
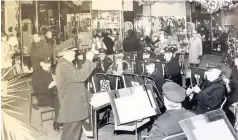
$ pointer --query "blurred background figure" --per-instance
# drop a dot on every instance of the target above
(195, 47)
(51, 44)
(108, 42)
(7, 53)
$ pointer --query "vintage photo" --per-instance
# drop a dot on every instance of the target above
(119, 69)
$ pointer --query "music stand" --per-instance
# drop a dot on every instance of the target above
(104, 103)
(213, 125)
(133, 104)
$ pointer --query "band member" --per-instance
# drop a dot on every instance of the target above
(168, 123)
(195, 47)
(172, 67)
(210, 95)
(156, 75)
(73, 95)
(44, 88)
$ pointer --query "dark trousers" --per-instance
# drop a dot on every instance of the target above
(194, 65)
(72, 131)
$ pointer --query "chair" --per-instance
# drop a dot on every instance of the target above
(33, 104)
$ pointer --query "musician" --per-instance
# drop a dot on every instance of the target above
(104, 61)
(168, 123)
(172, 67)
(73, 95)
(156, 75)
(211, 94)
(44, 88)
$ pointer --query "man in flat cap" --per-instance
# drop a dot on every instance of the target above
(172, 67)
(211, 94)
(168, 123)
(73, 95)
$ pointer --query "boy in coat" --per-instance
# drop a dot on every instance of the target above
(73, 95)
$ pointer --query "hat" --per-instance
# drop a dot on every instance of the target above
(173, 92)
(46, 60)
(213, 74)
(67, 45)
(170, 49)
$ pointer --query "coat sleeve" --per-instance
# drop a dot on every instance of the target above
(200, 46)
(80, 75)
(210, 100)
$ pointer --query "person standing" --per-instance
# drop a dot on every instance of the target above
(131, 43)
(224, 46)
(39, 51)
(73, 95)
(195, 48)
(7, 54)
(108, 42)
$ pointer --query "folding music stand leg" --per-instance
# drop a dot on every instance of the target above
(138, 133)
(95, 116)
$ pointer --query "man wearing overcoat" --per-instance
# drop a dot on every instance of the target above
(73, 95)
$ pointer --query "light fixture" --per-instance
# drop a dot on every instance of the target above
(214, 5)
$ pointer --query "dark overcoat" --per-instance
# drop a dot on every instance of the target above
(210, 98)
(73, 95)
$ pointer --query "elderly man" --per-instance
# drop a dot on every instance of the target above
(73, 95)
(168, 123)
(211, 94)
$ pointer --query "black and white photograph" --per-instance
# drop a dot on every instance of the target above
(119, 70)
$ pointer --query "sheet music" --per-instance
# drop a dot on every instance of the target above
(217, 130)
(134, 107)
(100, 99)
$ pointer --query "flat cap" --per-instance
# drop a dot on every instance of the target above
(67, 45)
(173, 92)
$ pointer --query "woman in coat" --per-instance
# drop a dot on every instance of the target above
(195, 49)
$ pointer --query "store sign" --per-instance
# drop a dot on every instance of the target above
(126, 5)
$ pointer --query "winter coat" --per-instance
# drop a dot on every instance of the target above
(195, 49)
(73, 95)
(210, 97)
(39, 52)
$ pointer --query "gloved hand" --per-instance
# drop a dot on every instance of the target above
(196, 89)
(226, 80)
(189, 91)
(52, 84)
